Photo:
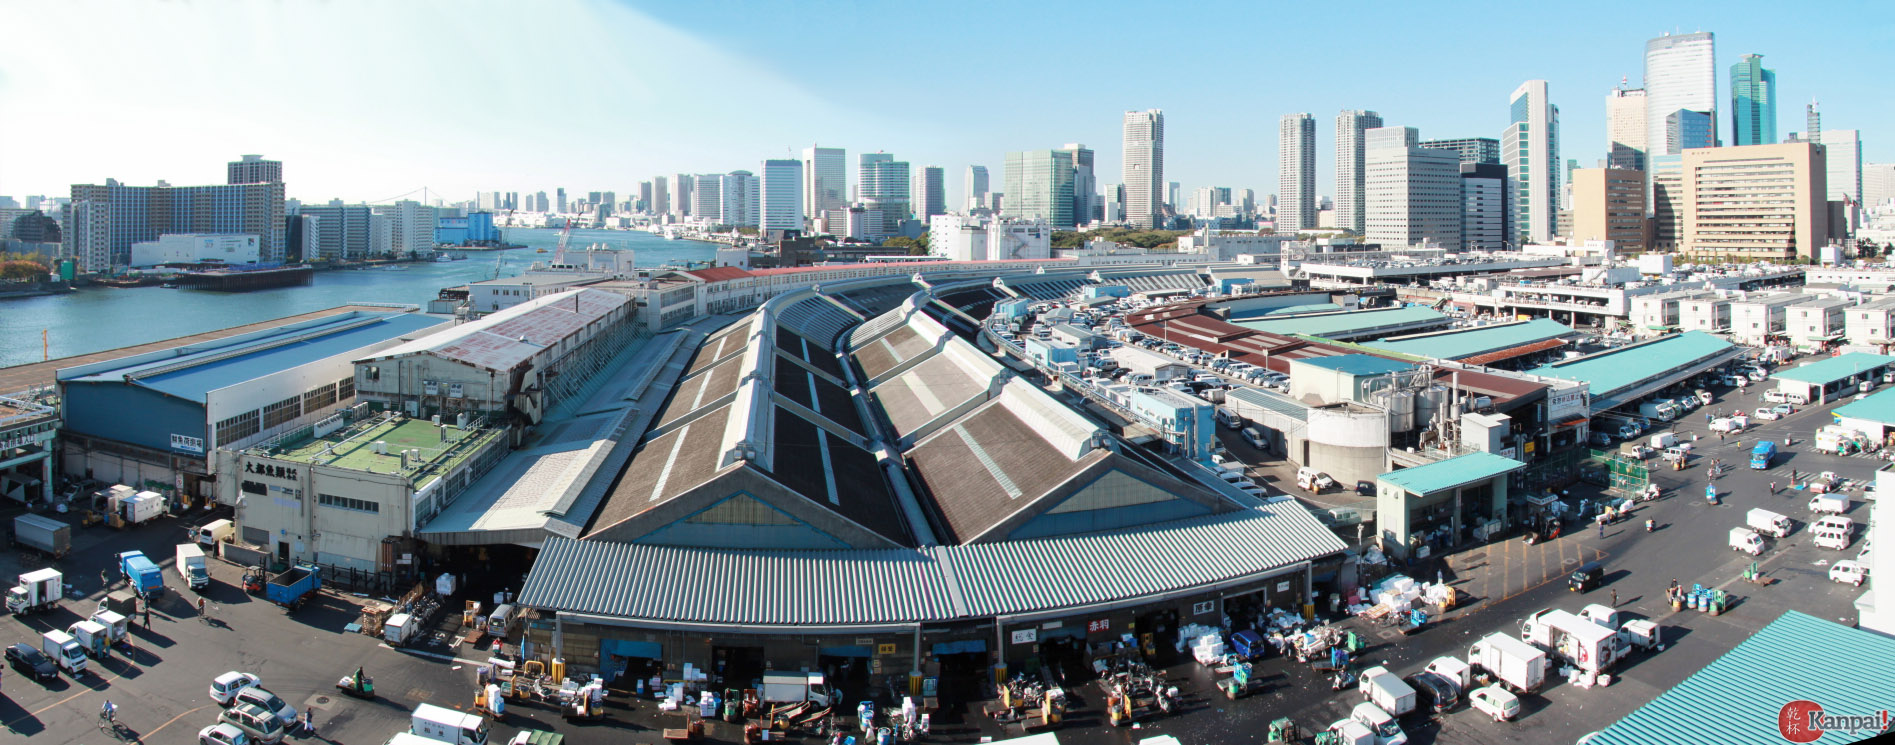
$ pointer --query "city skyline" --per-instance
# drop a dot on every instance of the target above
(532, 130)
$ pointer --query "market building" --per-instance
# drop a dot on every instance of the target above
(855, 438)
(1444, 503)
(27, 431)
(1835, 377)
(222, 393)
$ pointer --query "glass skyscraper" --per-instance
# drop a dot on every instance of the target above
(1039, 184)
(1753, 102)
(1680, 73)
(1530, 150)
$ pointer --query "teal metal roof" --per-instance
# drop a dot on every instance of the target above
(1356, 364)
(1622, 368)
(1450, 473)
(1877, 408)
(1295, 309)
(1460, 343)
(1344, 323)
(1736, 698)
(1824, 372)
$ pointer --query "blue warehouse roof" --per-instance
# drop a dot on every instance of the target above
(1460, 343)
(1824, 372)
(193, 376)
(1356, 364)
(1344, 323)
(1450, 473)
(1736, 698)
(1620, 370)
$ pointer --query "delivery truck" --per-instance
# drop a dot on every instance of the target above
(93, 637)
(191, 567)
(1742, 539)
(794, 687)
(1761, 455)
(1518, 665)
(214, 531)
(1386, 690)
(294, 586)
(447, 725)
(144, 575)
(64, 651)
(43, 534)
(1663, 411)
(38, 590)
(1587, 645)
(1765, 521)
(137, 509)
(1834, 504)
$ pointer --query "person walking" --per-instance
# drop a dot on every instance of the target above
(309, 717)
(1773, 487)
(1615, 598)
(1601, 528)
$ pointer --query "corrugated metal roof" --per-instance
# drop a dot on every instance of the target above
(1737, 698)
(1344, 323)
(1616, 370)
(1460, 343)
(1824, 372)
(937, 583)
(505, 339)
(1877, 408)
(194, 376)
(695, 585)
(1265, 399)
(1358, 364)
(1450, 473)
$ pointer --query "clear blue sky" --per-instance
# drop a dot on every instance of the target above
(366, 101)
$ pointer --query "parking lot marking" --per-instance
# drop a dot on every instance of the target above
(173, 720)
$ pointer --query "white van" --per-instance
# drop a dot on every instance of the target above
(1833, 532)
(1254, 437)
(501, 620)
(1776, 397)
(1228, 417)
(214, 531)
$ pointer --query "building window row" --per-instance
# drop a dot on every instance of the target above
(347, 503)
(238, 427)
(282, 411)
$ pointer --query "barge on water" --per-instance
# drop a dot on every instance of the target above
(245, 280)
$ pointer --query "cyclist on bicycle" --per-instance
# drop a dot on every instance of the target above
(108, 712)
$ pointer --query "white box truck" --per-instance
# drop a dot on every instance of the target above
(1519, 666)
(38, 590)
(64, 651)
(214, 531)
(1742, 539)
(793, 687)
(1388, 691)
(1831, 503)
(1589, 646)
(1765, 521)
(191, 566)
(447, 725)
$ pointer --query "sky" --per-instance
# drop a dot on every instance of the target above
(368, 101)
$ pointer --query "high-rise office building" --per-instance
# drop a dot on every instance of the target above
(930, 192)
(1753, 102)
(683, 196)
(737, 194)
(1755, 202)
(825, 180)
(1667, 201)
(1486, 207)
(1114, 203)
(559, 200)
(976, 187)
(1530, 150)
(1609, 205)
(1625, 128)
(1685, 129)
(660, 196)
(1842, 156)
(1039, 185)
(1680, 73)
(644, 195)
(1469, 149)
(883, 186)
(1085, 184)
(253, 169)
(1350, 124)
(1296, 173)
(1411, 194)
(782, 195)
(1878, 183)
(1144, 169)
(707, 202)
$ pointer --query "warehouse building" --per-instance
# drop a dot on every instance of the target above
(875, 497)
(508, 366)
(1620, 376)
(223, 393)
(1836, 377)
(1446, 503)
(27, 431)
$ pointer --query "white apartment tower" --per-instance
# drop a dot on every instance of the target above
(1625, 128)
(782, 195)
(1144, 167)
(1680, 73)
(1296, 173)
(1843, 157)
(825, 180)
(1530, 150)
(1412, 194)
(1350, 125)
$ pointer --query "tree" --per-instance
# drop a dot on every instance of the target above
(914, 246)
(17, 266)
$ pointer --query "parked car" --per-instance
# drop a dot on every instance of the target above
(1495, 702)
(222, 733)
(1848, 572)
(1768, 415)
(224, 687)
(266, 701)
(1783, 410)
(30, 661)
(1435, 692)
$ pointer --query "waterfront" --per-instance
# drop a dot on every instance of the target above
(103, 318)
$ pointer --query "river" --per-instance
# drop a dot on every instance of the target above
(99, 318)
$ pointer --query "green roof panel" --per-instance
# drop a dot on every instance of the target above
(1616, 370)
(1344, 323)
(1824, 372)
(1877, 408)
(1447, 474)
(1460, 343)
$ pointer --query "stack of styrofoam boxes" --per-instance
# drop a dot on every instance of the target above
(1208, 649)
(1397, 593)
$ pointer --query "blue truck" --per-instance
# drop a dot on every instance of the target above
(294, 586)
(1761, 455)
(143, 574)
